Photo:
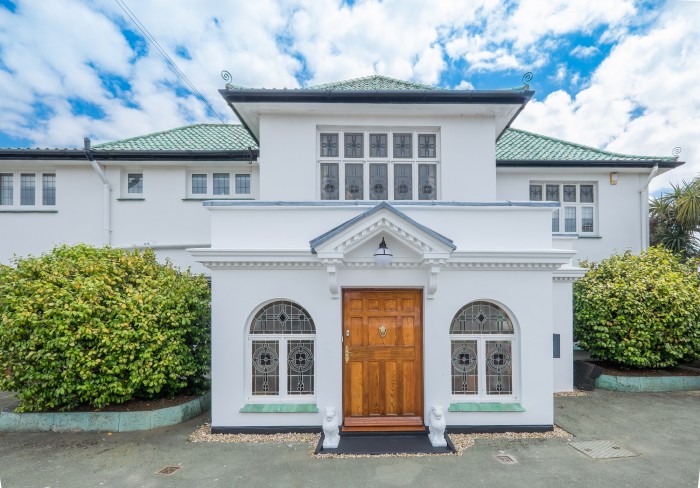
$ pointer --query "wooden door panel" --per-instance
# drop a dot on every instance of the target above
(382, 370)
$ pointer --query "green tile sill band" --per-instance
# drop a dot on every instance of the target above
(279, 408)
(485, 407)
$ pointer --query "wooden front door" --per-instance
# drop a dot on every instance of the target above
(382, 360)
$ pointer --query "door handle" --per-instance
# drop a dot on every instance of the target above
(347, 354)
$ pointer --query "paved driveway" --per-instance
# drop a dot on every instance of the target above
(663, 428)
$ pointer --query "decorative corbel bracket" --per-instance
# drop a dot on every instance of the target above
(333, 281)
(433, 281)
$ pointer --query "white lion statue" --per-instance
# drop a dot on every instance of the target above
(437, 426)
(331, 439)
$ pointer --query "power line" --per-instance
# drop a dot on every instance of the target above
(149, 37)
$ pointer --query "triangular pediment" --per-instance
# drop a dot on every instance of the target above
(356, 239)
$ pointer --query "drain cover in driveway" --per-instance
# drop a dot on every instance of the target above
(602, 449)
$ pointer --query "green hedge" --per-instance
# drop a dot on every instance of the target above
(639, 310)
(84, 325)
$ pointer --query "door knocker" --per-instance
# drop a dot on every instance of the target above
(382, 331)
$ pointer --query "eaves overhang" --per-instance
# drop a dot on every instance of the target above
(129, 155)
(256, 95)
(569, 163)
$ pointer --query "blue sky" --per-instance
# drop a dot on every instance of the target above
(614, 74)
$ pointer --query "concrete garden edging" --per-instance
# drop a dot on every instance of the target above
(647, 383)
(103, 421)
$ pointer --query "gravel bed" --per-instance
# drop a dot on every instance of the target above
(462, 442)
(575, 393)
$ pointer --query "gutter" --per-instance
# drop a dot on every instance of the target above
(644, 208)
(106, 193)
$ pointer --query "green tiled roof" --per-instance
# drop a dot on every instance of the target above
(198, 137)
(514, 144)
(375, 82)
(519, 145)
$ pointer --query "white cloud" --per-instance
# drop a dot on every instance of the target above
(658, 72)
(584, 52)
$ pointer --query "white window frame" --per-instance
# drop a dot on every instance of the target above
(282, 341)
(578, 205)
(366, 160)
(210, 195)
(125, 195)
(481, 338)
(38, 190)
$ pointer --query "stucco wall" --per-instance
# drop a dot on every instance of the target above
(237, 294)
(618, 209)
(289, 168)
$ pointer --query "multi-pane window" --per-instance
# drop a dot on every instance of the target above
(20, 189)
(199, 184)
(27, 189)
(243, 184)
(134, 183)
(378, 165)
(282, 351)
(222, 183)
(48, 189)
(218, 184)
(7, 188)
(482, 352)
(578, 205)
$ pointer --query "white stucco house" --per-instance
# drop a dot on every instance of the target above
(287, 213)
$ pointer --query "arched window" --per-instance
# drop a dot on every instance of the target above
(281, 344)
(483, 347)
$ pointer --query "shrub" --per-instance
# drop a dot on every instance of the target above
(639, 310)
(84, 325)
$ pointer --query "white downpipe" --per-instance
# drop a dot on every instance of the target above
(644, 201)
(106, 196)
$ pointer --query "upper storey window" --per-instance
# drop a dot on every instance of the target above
(578, 212)
(378, 164)
(25, 190)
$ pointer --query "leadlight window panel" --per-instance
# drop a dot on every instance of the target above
(354, 181)
(403, 145)
(266, 366)
(481, 318)
(586, 219)
(354, 145)
(586, 194)
(569, 193)
(199, 184)
(330, 181)
(221, 183)
(329, 145)
(535, 193)
(282, 317)
(569, 219)
(300, 367)
(427, 182)
(6, 189)
(27, 189)
(378, 181)
(552, 193)
(134, 183)
(243, 184)
(555, 220)
(465, 367)
(427, 145)
(48, 189)
(378, 145)
(403, 182)
(499, 368)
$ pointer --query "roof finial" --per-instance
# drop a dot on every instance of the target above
(227, 78)
(676, 151)
(527, 78)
